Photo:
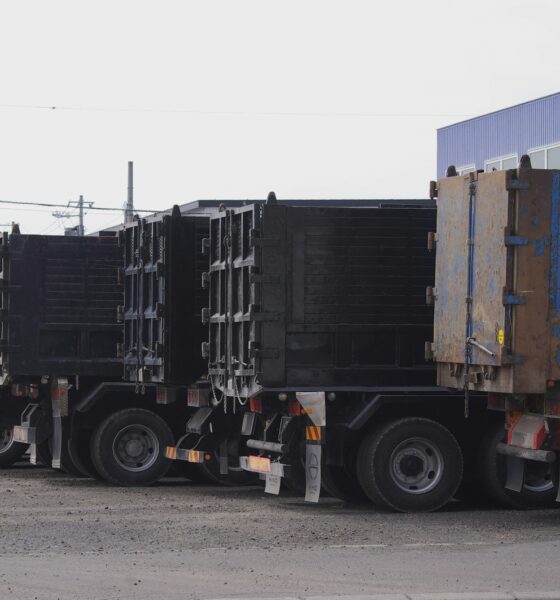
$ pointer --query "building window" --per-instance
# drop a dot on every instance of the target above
(501, 164)
(466, 169)
(547, 157)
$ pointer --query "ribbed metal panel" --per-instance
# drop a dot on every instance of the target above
(163, 298)
(59, 305)
(320, 297)
(513, 130)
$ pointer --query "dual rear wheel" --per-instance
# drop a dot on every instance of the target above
(128, 447)
(415, 464)
(410, 465)
(540, 479)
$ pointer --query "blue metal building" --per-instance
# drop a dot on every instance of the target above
(497, 140)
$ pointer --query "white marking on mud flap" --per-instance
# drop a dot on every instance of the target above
(272, 485)
(312, 472)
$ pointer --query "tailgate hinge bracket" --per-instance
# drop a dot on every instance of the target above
(515, 240)
(514, 299)
(515, 184)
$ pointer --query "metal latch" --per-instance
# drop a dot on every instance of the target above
(432, 240)
(431, 295)
(433, 190)
(429, 350)
(472, 342)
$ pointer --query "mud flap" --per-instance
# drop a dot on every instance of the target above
(59, 402)
(312, 472)
(33, 454)
(314, 406)
(272, 485)
(515, 473)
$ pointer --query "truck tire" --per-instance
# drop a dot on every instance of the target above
(79, 453)
(44, 454)
(10, 450)
(339, 482)
(540, 488)
(128, 447)
(362, 467)
(236, 477)
(294, 480)
(67, 464)
(411, 465)
(187, 470)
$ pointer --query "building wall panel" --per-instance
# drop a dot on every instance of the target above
(513, 130)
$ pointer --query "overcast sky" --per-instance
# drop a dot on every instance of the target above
(233, 98)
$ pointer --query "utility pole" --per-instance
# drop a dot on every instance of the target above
(66, 214)
(129, 207)
(81, 216)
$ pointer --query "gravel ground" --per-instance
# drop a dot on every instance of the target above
(71, 538)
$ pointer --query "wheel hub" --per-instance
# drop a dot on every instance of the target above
(412, 466)
(416, 465)
(135, 448)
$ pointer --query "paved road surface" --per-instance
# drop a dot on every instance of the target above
(67, 538)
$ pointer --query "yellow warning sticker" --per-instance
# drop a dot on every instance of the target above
(501, 337)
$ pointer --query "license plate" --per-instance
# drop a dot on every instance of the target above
(260, 464)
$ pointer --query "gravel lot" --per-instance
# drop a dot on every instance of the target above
(71, 538)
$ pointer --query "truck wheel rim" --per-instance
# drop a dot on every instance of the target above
(6, 439)
(538, 477)
(416, 466)
(135, 448)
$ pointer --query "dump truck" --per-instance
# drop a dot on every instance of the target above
(317, 376)
(87, 326)
(59, 336)
(497, 319)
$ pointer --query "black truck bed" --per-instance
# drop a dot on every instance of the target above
(59, 305)
(311, 297)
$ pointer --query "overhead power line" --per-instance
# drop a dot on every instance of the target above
(51, 205)
(236, 113)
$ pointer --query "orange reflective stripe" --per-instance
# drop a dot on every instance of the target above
(194, 456)
(313, 433)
